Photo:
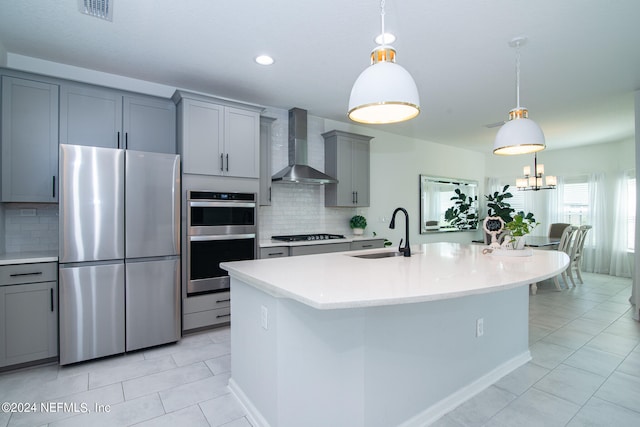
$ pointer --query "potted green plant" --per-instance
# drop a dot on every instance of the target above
(358, 223)
(519, 227)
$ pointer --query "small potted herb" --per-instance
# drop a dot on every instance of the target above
(358, 223)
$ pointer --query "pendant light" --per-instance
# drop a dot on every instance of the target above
(384, 92)
(519, 135)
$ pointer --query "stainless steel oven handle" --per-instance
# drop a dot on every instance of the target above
(226, 204)
(221, 237)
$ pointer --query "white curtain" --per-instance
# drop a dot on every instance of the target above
(620, 259)
(597, 249)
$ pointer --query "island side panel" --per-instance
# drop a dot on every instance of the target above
(306, 367)
(418, 355)
(254, 364)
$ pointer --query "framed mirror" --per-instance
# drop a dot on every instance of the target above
(448, 204)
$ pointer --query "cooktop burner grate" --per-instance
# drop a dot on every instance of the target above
(306, 237)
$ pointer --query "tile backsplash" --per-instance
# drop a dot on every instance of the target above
(299, 208)
(29, 227)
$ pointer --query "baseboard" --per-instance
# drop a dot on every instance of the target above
(253, 415)
(435, 412)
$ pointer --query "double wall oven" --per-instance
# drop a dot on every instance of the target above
(220, 227)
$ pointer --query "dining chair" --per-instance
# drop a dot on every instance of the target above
(556, 229)
(575, 256)
(565, 246)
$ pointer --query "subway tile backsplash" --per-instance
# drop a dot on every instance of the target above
(30, 227)
(299, 208)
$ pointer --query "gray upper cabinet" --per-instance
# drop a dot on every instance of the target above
(265, 160)
(149, 124)
(29, 140)
(218, 137)
(346, 157)
(108, 118)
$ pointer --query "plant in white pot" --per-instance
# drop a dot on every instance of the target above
(358, 223)
(519, 227)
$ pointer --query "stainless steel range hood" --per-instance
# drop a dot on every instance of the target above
(298, 170)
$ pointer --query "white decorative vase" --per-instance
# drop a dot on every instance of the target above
(358, 231)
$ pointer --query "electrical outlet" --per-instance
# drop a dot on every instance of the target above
(264, 317)
(480, 327)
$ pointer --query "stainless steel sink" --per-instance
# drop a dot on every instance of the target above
(378, 255)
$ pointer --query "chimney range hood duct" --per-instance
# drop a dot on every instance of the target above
(298, 170)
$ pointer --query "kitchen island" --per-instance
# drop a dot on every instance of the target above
(335, 339)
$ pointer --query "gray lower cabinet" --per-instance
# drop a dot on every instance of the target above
(29, 140)
(346, 157)
(102, 117)
(319, 249)
(28, 313)
(206, 310)
(367, 244)
(274, 252)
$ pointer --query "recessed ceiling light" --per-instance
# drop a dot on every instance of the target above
(388, 38)
(264, 60)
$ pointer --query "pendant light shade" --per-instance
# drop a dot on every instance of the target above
(519, 135)
(384, 92)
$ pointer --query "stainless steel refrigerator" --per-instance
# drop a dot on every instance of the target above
(119, 252)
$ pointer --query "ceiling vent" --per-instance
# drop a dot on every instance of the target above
(102, 9)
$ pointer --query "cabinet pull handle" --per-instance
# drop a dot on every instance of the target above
(269, 193)
(221, 162)
(366, 246)
(353, 197)
(223, 300)
(51, 299)
(222, 315)
(35, 273)
(53, 187)
(118, 139)
(126, 140)
(356, 197)
(227, 163)
(275, 253)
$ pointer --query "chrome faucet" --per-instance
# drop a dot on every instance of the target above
(406, 250)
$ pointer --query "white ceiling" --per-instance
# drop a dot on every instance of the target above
(580, 66)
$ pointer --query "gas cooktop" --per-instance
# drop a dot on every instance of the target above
(305, 237)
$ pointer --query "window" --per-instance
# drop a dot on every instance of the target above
(575, 203)
(631, 213)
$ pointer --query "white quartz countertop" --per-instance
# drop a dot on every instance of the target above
(435, 271)
(28, 257)
(348, 239)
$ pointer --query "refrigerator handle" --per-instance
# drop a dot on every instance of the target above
(118, 140)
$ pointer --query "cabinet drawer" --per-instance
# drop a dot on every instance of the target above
(28, 273)
(319, 249)
(206, 318)
(274, 252)
(206, 302)
(367, 244)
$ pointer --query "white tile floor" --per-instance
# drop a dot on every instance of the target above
(585, 369)
(585, 372)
